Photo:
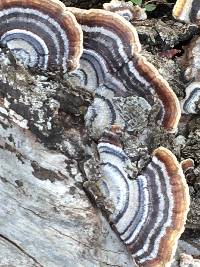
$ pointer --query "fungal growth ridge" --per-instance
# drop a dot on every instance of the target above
(41, 34)
(149, 212)
(112, 66)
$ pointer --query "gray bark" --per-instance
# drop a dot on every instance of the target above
(46, 218)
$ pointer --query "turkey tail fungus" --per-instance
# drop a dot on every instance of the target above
(149, 212)
(191, 103)
(126, 10)
(41, 34)
(111, 60)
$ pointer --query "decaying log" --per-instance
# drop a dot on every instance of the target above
(46, 218)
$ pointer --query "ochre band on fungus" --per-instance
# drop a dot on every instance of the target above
(167, 96)
(42, 33)
(108, 20)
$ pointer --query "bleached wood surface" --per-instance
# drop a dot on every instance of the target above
(46, 223)
(46, 219)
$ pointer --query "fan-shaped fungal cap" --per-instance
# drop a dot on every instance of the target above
(142, 78)
(150, 212)
(187, 10)
(41, 33)
(191, 102)
(95, 75)
(126, 10)
(111, 61)
(115, 36)
(101, 115)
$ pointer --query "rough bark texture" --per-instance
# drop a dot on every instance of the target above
(47, 219)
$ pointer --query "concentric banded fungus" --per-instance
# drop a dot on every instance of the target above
(143, 79)
(111, 60)
(41, 33)
(116, 38)
(187, 10)
(100, 115)
(126, 10)
(150, 212)
(191, 103)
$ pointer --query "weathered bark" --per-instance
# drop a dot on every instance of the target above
(46, 218)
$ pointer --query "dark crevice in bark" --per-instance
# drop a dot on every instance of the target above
(21, 249)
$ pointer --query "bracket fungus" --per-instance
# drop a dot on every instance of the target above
(126, 10)
(112, 64)
(187, 11)
(41, 33)
(191, 103)
(149, 212)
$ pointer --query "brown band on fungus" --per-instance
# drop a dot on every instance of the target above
(143, 78)
(181, 200)
(190, 62)
(126, 10)
(41, 34)
(172, 111)
(108, 28)
(112, 136)
(176, 191)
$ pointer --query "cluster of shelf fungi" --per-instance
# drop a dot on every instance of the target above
(99, 50)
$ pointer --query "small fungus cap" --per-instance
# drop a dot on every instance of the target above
(126, 10)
